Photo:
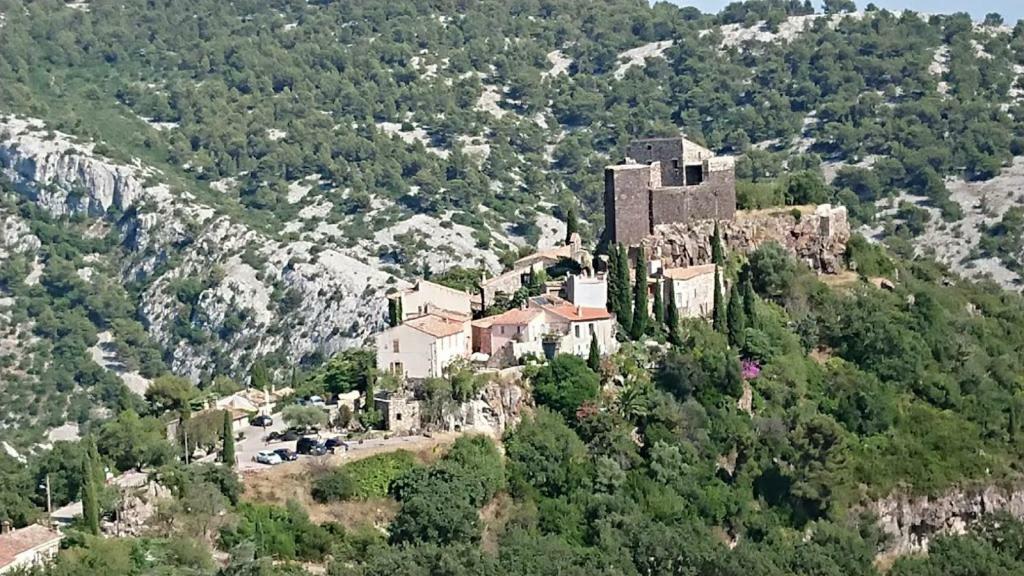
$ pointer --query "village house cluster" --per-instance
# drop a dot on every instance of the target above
(663, 180)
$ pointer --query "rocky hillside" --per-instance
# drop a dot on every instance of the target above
(190, 194)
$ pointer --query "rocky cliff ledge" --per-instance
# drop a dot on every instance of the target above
(816, 235)
(911, 522)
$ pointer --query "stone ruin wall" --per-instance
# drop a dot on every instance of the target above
(713, 198)
(818, 236)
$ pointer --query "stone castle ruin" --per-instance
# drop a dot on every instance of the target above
(670, 193)
(666, 181)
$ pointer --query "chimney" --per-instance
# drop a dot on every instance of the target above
(5, 527)
(579, 310)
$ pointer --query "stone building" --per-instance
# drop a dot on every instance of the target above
(666, 181)
(401, 413)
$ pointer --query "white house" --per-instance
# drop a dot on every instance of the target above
(587, 291)
(429, 297)
(27, 547)
(424, 346)
(692, 288)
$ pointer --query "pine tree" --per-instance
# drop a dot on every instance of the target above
(640, 312)
(90, 504)
(717, 255)
(749, 302)
(227, 455)
(736, 320)
(718, 311)
(571, 225)
(594, 358)
(624, 307)
(675, 337)
(659, 304)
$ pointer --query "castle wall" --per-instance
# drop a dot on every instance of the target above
(626, 202)
(667, 151)
(715, 198)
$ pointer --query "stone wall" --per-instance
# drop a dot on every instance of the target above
(816, 235)
(663, 151)
(626, 202)
(713, 198)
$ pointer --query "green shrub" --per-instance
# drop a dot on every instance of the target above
(364, 479)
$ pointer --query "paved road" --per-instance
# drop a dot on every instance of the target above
(253, 442)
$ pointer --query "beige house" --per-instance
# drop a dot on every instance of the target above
(27, 547)
(692, 288)
(424, 346)
(429, 297)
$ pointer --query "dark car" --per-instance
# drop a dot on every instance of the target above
(262, 420)
(333, 444)
(286, 436)
(310, 446)
(286, 454)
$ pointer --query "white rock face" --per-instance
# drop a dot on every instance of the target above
(913, 522)
(298, 299)
(639, 55)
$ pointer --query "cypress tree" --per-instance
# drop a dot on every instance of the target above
(672, 322)
(594, 358)
(99, 472)
(613, 280)
(659, 304)
(736, 320)
(718, 311)
(571, 225)
(640, 313)
(624, 306)
(227, 455)
(717, 256)
(394, 311)
(258, 376)
(749, 299)
(90, 504)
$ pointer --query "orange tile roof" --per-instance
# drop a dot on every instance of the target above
(579, 313)
(689, 272)
(22, 540)
(436, 325)
(511, 317)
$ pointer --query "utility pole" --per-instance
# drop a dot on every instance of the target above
(184, 431)
(49, 500)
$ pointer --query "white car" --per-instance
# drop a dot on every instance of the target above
(268, 457)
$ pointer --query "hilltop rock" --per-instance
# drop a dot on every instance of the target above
(816, 235)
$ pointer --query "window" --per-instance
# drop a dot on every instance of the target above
(577, 330)
(397, 368)
(398, 416)
(394, 347)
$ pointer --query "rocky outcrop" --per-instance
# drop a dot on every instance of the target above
(497, 408)
(912, 522)
(816, 235)
(291, 298)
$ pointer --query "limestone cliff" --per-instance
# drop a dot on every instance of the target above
(816, 235)
(912, 522)
(292, 298)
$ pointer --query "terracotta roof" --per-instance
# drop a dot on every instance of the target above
(689, 272)
(436, 325)
(511, 317)
(552, 254)
(22, 540)
(579, 313)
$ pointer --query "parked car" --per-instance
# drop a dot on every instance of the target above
(285, 436)
(268, 457)
(317, 401)
(333, 444)
(262, 420)
(286, 454)
(311, 446)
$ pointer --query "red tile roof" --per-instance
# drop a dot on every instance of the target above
(515, 316)
(579, 313)
(22, 540)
